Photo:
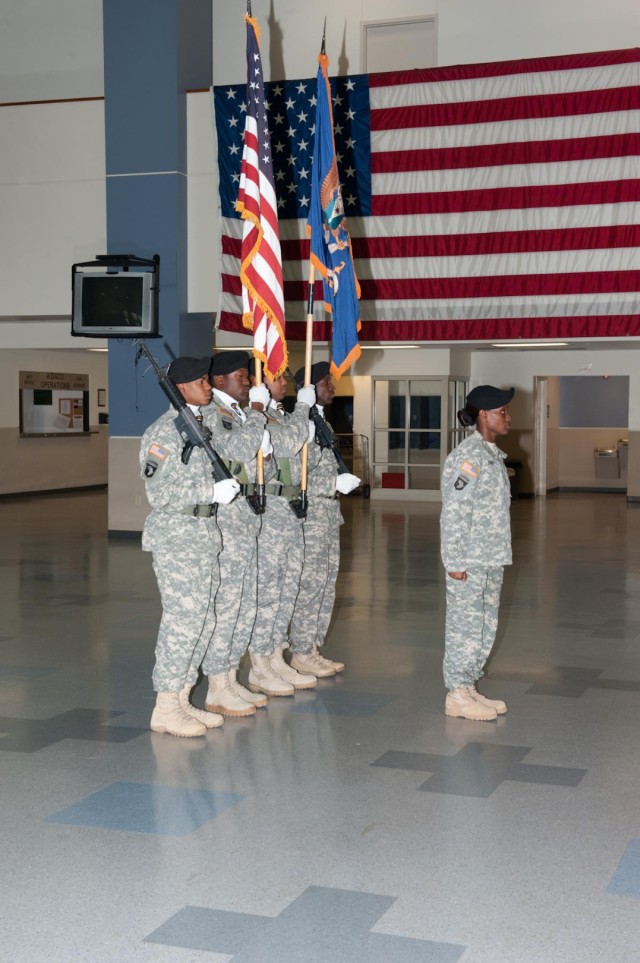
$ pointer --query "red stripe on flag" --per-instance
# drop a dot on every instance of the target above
(508, 198)
(456, 245)
(500, 155)
(523, 285)
(505, 109)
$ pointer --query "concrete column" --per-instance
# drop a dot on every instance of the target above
(154, 51)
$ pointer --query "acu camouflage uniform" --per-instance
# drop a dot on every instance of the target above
(185, 549)
(280, 543)
(237, 442)
(476, 539)
(321, 531)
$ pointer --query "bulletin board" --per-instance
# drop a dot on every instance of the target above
(53, 403)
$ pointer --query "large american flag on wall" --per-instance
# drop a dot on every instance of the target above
(487, 201)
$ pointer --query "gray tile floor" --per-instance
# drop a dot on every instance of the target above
(355, 822)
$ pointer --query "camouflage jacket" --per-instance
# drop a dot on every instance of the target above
(237, 441)
(475, 526)
(288, 434)
(172, 487)
(323, 469)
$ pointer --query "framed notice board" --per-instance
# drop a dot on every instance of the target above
(53, 403)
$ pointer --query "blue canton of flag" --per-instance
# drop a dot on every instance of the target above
(330, 242)
(291, 107)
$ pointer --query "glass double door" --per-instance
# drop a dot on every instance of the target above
(413, 430)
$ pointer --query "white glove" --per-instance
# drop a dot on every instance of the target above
(260, 395)
(346, 483)
(265, 445)
(312, 432)
(307, 396)
(225, 491)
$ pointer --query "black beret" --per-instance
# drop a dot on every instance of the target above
(224, 362)
(486, 397)
(319, 370)
(183, 370)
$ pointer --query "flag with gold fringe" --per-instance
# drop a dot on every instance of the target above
(331, 253)
(260, 256)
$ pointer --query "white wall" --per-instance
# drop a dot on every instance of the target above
(53, 50)
(518, 369)
(52, 204)
(472, 32)
(50, 50)
(41, 464)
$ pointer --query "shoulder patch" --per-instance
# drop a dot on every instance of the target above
(157, 452)
(460, 483)
(227, 423)
(470, 469)
(225, 411)
(150, 469)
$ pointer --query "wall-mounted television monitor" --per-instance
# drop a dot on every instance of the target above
(112, 303)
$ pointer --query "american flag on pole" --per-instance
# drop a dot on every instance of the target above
(330, 242)
(490, 201)
(260, 264)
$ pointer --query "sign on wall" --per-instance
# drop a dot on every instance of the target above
(53, 403)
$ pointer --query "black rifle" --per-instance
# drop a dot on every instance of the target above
(324, 432)
(190, 429)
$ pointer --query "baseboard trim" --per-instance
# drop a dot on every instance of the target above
(54, 491)
(593, 491)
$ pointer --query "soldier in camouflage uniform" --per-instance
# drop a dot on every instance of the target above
(475, 547)
(237, 434)
(182, 534)
(321, 529)
(280, 545)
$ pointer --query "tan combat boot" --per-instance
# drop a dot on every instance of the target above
(338, 666)
(169, 716)
(497, 704)
(257, 699)
(460, 704)
(223, 699)
(299, 680)
(263, 678)
(308, 663)
(209, 719)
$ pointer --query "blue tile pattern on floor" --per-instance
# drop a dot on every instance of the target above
(323, 924)
(626, 879)
(143, 808)
(340, 702)
(522, 875)
(30, 735)
(478, 769)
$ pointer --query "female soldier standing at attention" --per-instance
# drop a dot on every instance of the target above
(475, 538)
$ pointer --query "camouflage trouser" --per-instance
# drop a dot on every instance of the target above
(472, 620)
(280, 555)
(314, 604)
(188, 583)
(235, 606)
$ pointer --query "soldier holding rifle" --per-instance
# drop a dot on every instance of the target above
(182, 534)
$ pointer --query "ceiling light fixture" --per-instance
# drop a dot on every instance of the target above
(532, 344)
